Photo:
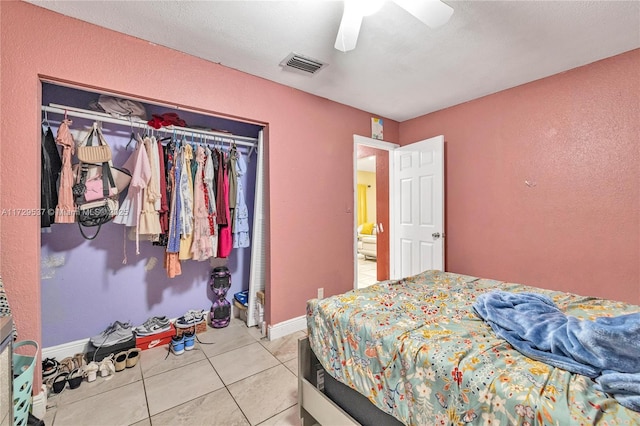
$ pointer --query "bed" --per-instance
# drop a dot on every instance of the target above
(412, 351)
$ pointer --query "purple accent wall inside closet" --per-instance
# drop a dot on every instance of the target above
(86, 286)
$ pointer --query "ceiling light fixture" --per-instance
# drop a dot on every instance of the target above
(432, 13)
(366, 7)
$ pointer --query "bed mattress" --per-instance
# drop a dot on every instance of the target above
(417, 351)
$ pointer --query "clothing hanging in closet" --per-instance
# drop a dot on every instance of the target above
(241, 212)
(51, 167)
(66, 207)
(186, 197)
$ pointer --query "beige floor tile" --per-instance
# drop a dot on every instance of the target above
(288, 417)
(122, 406)
(256, 333)
(155, 361)
(182, 384)
(237, 322)
(242, 362)
(213, 409)
(221, 340)
(145, 422)
(285, 348)
(292, 365)
(256, 394)
(50, 414)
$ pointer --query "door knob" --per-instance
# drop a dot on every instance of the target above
(435, 235)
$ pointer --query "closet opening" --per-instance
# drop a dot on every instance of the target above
(88, 284)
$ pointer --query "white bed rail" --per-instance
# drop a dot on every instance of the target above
(314, 406)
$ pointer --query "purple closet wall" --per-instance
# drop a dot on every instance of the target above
(85, 285)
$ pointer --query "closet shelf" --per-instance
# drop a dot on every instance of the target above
(184, 131)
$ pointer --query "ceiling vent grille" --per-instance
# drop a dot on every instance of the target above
(301, 64)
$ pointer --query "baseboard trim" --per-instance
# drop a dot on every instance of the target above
(39, 404)
(287, 327)
(64, 350)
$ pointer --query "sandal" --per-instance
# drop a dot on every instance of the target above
(78, 360)
(49, 368)
(59, 382)
(106, 367)
(74, 378)
(121, 361)
(91, 371)
(133, 355)
(67, 365)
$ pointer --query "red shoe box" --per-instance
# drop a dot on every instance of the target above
(155, 340)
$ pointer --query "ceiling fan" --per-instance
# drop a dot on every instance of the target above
(432, 13)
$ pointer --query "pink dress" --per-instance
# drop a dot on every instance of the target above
(225, 243)
(201, 246)
(66, 208)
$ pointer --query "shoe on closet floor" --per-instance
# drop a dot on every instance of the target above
(49, 368)
(189, 341)
(75, 378)
(91, 371)
(133, 355)
(121, 361)
(177, 345)
(191, 318)
(153, 325)
(106, 367)
(117, 332)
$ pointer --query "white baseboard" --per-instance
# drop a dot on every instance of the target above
(287, 327)
(64, 350)
(39, 404)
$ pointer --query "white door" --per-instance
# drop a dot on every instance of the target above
(418, 208)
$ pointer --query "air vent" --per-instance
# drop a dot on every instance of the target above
(301, 64)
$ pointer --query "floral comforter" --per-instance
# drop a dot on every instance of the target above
(416, 349)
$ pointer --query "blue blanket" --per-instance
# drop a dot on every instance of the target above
(624, 387)
(533, 325)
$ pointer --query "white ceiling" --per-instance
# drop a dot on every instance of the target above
(366, 164)
(400, 68)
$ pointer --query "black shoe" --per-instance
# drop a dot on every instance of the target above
(34, 421)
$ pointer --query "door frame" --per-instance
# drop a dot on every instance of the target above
(390, 147)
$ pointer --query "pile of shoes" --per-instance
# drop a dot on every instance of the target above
(186, 328)
(56, 374)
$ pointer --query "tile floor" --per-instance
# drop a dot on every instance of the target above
(240, 379)
(366, 271)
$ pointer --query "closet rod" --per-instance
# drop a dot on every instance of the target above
(185, 131)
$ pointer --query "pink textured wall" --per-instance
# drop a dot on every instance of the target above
(310, 228)
(575, 137)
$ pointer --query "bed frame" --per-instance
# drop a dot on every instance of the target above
(325, 401)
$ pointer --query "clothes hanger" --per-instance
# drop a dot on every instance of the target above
(45, 120)
(253, 147)
(133, 135)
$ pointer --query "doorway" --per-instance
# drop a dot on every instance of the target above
(372, 184)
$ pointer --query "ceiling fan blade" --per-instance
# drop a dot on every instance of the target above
(349, 28)
(433, 13)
